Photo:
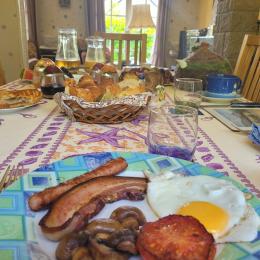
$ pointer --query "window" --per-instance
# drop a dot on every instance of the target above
(117, 13)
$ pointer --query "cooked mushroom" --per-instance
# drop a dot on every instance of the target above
(129, 217)
(113, 238)
(101, 229)
(81, 253)
(123, 240)
(69, 243)
(100, 252)
(113, 234)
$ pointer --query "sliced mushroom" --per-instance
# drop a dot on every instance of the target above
(127, 246)
(69, 243)
(101, 229)
(113, 238)
(81, 253)
(123, 240)
(100, 252)
(129, 217)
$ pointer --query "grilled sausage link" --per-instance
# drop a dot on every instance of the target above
(43, 198)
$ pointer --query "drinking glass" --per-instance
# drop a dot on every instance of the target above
(172, 131)
(51, 84)
(188, 92)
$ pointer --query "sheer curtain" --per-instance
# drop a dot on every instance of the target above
(94, 16)
(159, 52)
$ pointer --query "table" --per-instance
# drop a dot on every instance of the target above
(41, 134)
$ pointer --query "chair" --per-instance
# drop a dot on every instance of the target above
(248, 67)
(140, 40)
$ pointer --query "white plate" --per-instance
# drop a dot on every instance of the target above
(26, 234)
(226, 100)
(15, 109)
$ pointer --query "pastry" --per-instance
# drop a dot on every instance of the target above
(131, 86)
(108, 68)
(86, 78)
(106, 89)
(22, 95)
(87, 89)
(70, 82)
(128, 91)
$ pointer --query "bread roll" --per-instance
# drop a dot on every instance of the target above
(87, 89)
(85, 94)
(108, 68)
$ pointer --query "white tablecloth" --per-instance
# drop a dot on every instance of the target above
(41, 134)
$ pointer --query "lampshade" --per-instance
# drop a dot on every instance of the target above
(140, 17)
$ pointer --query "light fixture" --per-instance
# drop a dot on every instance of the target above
(140, 17)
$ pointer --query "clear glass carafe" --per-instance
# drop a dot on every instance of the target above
(67, 52)
(95, 51)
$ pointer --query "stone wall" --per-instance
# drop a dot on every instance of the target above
(234, 19)
(189, 14)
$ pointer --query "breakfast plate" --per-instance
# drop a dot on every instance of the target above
(21, 237)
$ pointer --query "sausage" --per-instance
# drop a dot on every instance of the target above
(43, 198)
(72, 210)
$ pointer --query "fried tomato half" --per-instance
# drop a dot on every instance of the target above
(175, 237)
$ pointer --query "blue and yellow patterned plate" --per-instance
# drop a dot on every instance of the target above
(20, 236)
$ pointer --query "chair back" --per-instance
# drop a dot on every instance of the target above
(248, 67)
(124, 50)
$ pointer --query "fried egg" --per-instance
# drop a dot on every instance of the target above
(216, 203)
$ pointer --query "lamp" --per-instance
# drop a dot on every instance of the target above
(140, 17)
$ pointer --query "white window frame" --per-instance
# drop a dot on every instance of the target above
(127, 15)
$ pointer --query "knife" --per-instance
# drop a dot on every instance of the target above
(245, 104)
(66, 72)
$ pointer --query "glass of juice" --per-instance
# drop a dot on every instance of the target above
(95, 52)
(188, 92)
(52, 84)
(172, 131)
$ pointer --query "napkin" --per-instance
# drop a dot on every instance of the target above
(255, 134)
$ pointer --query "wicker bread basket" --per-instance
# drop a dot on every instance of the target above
(106, 112)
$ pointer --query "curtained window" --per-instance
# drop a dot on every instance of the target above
(94, 16)
(117, 13)
(160, 51)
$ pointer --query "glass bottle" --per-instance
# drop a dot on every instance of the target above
(95, 51)
(67, 52)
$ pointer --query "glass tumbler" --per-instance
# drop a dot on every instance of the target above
(52, 84)
(172, 131)
(188, 92)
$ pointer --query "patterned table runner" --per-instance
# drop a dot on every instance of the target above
(54, 137)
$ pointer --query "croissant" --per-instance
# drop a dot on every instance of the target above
(87, 89)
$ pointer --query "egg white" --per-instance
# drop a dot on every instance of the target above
(167, 195)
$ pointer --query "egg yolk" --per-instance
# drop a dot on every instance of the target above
(214, 218)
